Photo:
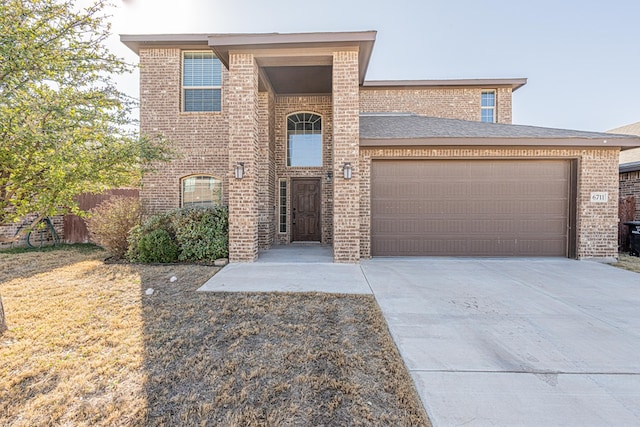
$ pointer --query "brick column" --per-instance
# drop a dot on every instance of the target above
(346, 192)
(266, 177)
(243, 116)
(598, 222)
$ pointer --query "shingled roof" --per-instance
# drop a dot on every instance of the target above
(378, 129)
(632, 129)
(629, 167)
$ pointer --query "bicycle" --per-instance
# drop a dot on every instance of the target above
(41, 233)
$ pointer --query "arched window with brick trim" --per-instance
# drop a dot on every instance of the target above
(304, 139)
(200, 191)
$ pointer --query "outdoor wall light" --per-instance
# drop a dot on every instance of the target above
(347, 170)
(238, 170)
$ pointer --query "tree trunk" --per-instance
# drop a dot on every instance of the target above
(3, 323)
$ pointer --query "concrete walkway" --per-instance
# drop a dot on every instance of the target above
(495, 342)
(291, 268)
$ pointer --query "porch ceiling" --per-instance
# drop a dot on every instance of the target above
(300, 80)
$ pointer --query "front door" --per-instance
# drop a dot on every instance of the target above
(305, 210)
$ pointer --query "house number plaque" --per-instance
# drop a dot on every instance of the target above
(599, 197)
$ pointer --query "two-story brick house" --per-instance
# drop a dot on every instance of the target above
(286, 131)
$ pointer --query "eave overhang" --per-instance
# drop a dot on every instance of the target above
(135, 42)
(310, 48)
(513, 83)
(301, 48)
(617, 143)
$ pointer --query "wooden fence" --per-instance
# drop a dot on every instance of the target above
(626, 213)
(75, 228)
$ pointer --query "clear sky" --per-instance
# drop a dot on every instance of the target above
(582, 58)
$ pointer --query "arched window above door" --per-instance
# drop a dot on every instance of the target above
(304, 139)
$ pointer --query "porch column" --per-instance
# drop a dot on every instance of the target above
(346, 192)
(242, 101)
(266, 175)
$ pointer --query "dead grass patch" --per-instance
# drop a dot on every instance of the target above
(628, 262)
(86, 346)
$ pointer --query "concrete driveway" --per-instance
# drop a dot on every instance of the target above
(515, 341)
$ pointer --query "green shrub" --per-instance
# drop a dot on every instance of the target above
(199, 234)
(202, 234)
(133, 239)
(157, 246)
(156, 222)
(111, 221)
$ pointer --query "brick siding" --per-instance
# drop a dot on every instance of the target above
(629, 185)
(448, 103)
(244, 118)
(346, 122)
(266, 172)
(199, 140)
(252, 128)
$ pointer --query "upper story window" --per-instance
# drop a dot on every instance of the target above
(488, 106)
(201, 191)
(201, 82)
(304, 140)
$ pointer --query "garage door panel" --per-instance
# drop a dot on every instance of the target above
(451, 246)
(458, 246)
(470, 207)
(533, 247)
(443, 228)
(467, 190)
(466, 208)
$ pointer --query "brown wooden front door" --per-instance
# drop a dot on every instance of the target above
(305, 210)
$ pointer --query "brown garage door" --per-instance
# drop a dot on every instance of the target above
(471, 207)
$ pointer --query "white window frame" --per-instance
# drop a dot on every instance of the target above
(183, 88)
(492, 107)
(188, 187)
(282, 207)
(183, 180)
(287, 153)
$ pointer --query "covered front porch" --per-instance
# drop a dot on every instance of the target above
(272, 200)
(312, 252)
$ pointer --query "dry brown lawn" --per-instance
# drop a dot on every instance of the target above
(87, 346)
(628, 262)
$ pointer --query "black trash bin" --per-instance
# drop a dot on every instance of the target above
(634, 237)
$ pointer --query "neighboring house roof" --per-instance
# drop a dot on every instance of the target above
(629, 156)
(630, 167)
(377, 129)
(632, 129)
